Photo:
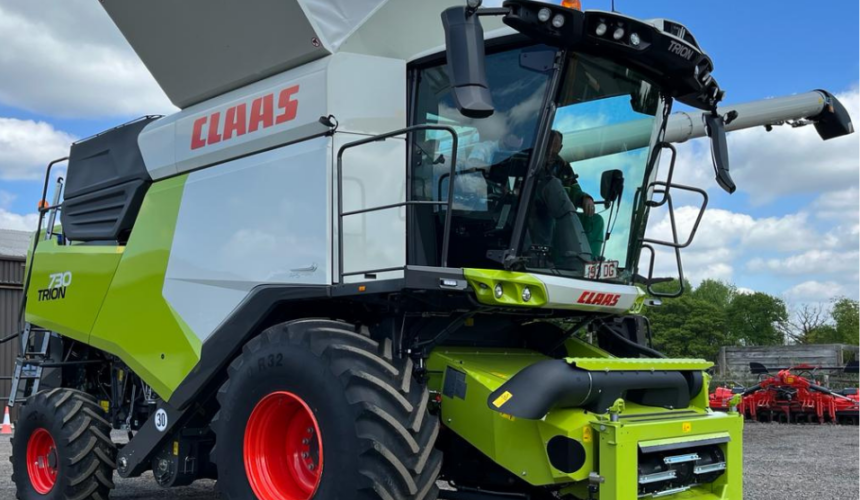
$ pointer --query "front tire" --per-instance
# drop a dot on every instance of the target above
(311, 409)
(61, 449)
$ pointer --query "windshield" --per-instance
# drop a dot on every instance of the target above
(588, 190)
(492, 156)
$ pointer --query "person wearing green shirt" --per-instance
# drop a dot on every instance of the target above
(592, 223)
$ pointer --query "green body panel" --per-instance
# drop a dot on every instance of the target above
(484, 281)
(630, 364)
(619, 446)
(519, 445)
(136, 323)
(578, 348)
(515, 444)
(75, 307)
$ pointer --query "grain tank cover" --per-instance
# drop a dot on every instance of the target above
(197, 49)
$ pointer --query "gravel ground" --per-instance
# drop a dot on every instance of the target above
(781, 462)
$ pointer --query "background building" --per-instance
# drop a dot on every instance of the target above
(13, 251)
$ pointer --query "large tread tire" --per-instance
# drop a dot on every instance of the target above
(84, 451)
(377, 434)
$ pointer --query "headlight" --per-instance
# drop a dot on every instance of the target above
(527, 294)
(601, 29)
(635, 40)
(499, 291)
(618, 34)
(558, 21)
(544, 14)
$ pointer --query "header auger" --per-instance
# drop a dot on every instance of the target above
(329, 275)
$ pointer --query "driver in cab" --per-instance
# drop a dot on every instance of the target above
(552, 222)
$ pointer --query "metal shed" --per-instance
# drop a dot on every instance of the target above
(13, 251)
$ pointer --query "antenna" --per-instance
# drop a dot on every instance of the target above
(613, 5)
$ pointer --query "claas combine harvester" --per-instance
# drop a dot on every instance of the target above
(792, 395)
(329, 274)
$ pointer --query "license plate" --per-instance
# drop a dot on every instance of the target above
(601, 270)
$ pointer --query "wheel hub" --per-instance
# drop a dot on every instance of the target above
(283, 449)
(42, 461)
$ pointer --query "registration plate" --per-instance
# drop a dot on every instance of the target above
(605, 270)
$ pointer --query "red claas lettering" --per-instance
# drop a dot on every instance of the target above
(242, 119)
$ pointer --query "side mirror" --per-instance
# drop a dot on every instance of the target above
(611, 186)
(464, 46)
(715, 126)
(834, 121)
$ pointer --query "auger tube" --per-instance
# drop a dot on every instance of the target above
(683, 125)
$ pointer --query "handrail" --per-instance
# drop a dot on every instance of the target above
(36, 238)
(408, 203)
(675, 244)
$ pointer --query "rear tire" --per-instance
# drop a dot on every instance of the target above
(359, 419)
(61, 449)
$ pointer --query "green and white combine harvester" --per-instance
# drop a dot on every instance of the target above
(365, 255)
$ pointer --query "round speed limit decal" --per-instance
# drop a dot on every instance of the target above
(161, 420)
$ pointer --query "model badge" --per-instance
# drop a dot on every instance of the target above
(57, 285)
(681, 50)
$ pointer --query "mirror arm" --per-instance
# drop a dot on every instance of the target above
(492, 11)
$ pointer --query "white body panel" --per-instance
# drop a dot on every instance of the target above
(567, 293)
(265, 218)
(260, 207)
(168, 145)
(366, 94)
(200, 49)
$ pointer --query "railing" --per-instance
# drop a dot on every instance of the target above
(663, 187)
(408, 203)
(43, 208)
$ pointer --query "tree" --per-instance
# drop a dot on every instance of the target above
(823, 334)
(819, 324)
(846, 315)
(688, 326)
(714, 315)
(757, 319)
(807, 323)
(716, 292)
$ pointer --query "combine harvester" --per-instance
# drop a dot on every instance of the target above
(793, 395)
(326, 276)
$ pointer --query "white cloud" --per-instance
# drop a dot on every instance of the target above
(724, 239)
(70, 60)
(815, 262)
(27, 146)
(814, 291)
(723, 228)
(9, 220)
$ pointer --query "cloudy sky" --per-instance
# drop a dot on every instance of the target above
(790, 230)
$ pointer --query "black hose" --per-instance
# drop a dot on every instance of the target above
(647, 351)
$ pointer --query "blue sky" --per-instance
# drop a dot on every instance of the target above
(790, 230)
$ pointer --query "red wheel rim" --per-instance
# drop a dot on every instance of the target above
(42, 461)
(283, 449)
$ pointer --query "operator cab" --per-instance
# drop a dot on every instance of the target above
(558, 140)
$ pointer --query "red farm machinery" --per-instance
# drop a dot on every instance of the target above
(791, 395)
